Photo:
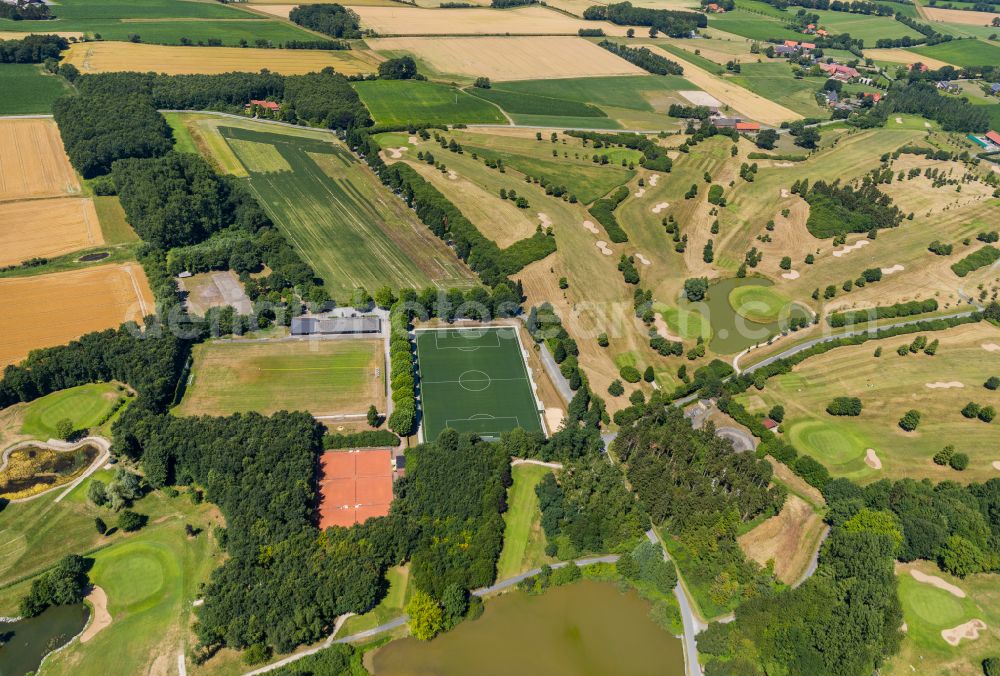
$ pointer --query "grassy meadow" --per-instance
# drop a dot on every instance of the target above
(327, 196)
(962, 52)
(888, 386)
(28, 89)
(523, 538)
(394, 102)
(323, 376)
(775, 81)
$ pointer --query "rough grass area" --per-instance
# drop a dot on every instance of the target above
(788, 540)
(114, 223)
(324, 377)
(394, 102)
(27, 89)
(523, 538)
(86, 406)
(889, 386)
(329, 197)
(752, 26)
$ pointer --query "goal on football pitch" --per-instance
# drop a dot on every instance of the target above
(474, 380)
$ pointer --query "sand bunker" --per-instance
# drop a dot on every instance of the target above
(905, 628)
(991, 347)
(938, 582)
(927, 124)
(783, 164)
(654, 179)
(396, 153)
(544, 218)
(452, 175)
(660, 207)
(851, 247)
(784, 192)
(643, 259)
(660, 324)
(589, 225)
(553, 419)
(102, 618)
(603, 246)
(899, 120)
(941, 385)
(969, 630)
(413, 140)
(895, 268)
(996, 464)
(791, 274)
(640, 192)
(872, 460)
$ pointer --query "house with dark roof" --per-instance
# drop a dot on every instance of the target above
(316, 326)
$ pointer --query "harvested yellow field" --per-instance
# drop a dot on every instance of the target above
(104, 57)
(402, 20)
(751, 105)
(959, 16)
(904, 56)
(33, 162)
(512, 58)
(46, 228)
(53, 309)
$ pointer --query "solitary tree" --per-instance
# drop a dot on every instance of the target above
(910, 420)
(373, 416)
(64, 428)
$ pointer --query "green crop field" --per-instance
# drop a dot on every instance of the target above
(523, 537)
(161, 21)
(86, 406)
(474, 380)
(345, 224)
(752, 26)
(27, 89)
(888, 387)
(323, 377)
(866, 27)
(520, 103)
(775, 81)
(394, 102)
(963, 52)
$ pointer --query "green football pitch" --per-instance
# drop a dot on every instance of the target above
(474, 380)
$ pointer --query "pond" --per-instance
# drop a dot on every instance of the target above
(24, 643)
(732, 331)
(580, 629)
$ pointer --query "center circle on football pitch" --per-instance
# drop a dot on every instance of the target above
(474, 381)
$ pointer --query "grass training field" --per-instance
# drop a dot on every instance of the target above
(86, 405)
(343, 222)
(162, 21)
(324, 377)
(510, 58)
(28, 89)
(399, 102)
(523, 537)
(105, 57)
(46, 228)
(52, 309)
(33, 162)
(474, 380)
(889, 386)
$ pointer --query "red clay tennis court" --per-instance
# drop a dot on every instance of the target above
(354, 486)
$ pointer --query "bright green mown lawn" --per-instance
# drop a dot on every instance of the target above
(86, 406)
(28, 89)
(414, 102)
(523, 538)
(759, 304)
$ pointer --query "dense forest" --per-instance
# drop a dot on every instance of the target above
(953, 114)
(837, 210)
(331, 19)
(676, 24)
(644, 58)
(31, 48)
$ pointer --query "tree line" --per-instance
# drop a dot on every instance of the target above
(31, 48)
(644, 58)
(676, 24)
(20, 10)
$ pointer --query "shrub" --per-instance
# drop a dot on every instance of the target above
(777, 413)
(971, 410)
(630, 374)
(959, 461)
(371, 438)
(695, 288)
(987, 413)
(616, 389)
(910, 420)
(943, 457)
(64, 428)
(992, 383)
(129, 521)
(975, 260)
(845, 406)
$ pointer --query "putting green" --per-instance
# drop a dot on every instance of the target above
(85, 405)
(833, 446)
(758, 304)
(684, 323)
(134, 575)
(931, 605)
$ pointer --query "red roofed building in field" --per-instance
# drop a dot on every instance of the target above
(747, 126)
(993, 136)
(769, 424)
